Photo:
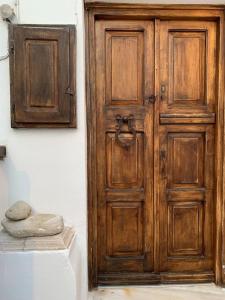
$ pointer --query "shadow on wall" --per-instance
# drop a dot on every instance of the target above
(76, 262)
(16, 184)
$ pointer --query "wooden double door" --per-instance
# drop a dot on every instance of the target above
(156, 99)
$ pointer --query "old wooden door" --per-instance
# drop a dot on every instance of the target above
(188, 91)
(125, 80)
(155, 114)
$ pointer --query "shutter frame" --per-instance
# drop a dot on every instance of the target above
(48, 106)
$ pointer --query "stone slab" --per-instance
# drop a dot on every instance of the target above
(160, 292)
(56, 242)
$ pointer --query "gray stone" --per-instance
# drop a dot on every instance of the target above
(37, 225)
(18, 211)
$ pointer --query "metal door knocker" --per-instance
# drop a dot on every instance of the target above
(129, 120)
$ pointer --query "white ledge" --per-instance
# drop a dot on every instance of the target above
(56, 242)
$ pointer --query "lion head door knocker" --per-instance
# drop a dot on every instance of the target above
(129, 120)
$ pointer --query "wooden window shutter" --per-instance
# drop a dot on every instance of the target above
(42, 67)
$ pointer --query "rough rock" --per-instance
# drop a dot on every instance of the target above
(37, 225)
(18, 211)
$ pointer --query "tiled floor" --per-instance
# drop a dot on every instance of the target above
(160, 292)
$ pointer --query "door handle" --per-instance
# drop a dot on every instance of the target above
(151, 99)
(129, 120)
(163, 91)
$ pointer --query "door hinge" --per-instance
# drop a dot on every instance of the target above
(163, 159)
(162, 154)
(12, 47)
(69, 91)
(13, 108)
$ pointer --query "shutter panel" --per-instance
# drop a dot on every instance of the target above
(42, 76)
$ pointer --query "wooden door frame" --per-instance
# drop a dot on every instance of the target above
(106, 10)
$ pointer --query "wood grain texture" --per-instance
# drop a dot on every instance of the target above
(147, 4)
(220, 200)
(187, 197)
(42, 64)
(188, 68)
(180, 196)
(122, 52)
(123, 168)
(123, 278)
(91, 145)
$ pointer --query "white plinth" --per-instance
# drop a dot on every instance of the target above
(39, 275)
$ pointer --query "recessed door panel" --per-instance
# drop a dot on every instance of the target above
(124, 70)
(37, 74)
(187, 66)
(185, 227)
(125, 230)
(186, 160)
(125, 165)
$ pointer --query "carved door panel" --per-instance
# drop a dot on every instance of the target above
(125, 80)
(187, 67)
(187, 117)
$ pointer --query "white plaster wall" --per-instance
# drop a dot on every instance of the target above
(47, 167)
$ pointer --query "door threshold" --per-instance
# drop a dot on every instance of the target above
(112, 279)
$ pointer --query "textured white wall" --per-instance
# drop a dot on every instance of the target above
(47, 167)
